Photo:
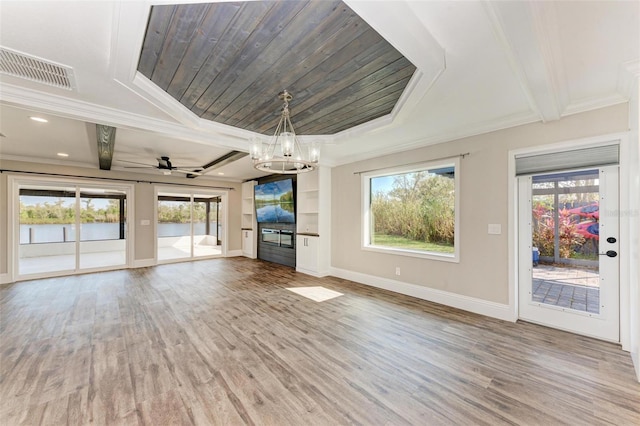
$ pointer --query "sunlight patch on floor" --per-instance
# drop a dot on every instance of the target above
(318, 294)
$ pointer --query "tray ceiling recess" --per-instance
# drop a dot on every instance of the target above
(227, 62)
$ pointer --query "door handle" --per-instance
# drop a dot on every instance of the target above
(609, 253)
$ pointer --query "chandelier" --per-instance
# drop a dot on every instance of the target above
(284, 154)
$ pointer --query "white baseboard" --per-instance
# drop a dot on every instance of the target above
(313, 273)
(636, 363)
(144, 263)
(5, 279)
(466, 303)
(234, 253)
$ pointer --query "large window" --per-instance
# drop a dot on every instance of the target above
(412, 210)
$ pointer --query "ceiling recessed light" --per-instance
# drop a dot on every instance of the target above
(39, 119)
(221, 173)
(63, 154)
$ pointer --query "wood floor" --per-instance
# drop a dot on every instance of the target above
(223, 342)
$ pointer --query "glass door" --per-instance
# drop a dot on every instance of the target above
(69, 228)
(568, 251)
(174, 226)
(47, 221)
(206, 219)
(103, 240)
(189, 226)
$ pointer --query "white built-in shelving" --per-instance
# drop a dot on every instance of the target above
(313, 222)
(249, 226)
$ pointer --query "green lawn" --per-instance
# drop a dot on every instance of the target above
(401, 242)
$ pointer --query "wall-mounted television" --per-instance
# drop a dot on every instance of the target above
(274, 202)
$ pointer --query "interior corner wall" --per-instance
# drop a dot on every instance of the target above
(4, 225)
(634, 226)
(483, 270)
(144, 202)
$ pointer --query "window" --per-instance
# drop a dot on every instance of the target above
(412, 210)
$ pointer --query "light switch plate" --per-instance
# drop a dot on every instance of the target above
(145, 222)
(495, 229)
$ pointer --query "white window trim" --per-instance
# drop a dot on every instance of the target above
(366, 201)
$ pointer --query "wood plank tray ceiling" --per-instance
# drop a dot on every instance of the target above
(227, 62)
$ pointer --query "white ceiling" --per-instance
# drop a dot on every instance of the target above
(482, 66)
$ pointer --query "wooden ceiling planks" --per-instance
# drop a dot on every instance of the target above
(228, 61)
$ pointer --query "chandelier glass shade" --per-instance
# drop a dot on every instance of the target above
(283, 153)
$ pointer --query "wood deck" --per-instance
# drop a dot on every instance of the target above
(223, 342)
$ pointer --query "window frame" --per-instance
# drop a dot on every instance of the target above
(365, 239)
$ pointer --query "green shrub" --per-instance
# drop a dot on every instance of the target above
(420, 207)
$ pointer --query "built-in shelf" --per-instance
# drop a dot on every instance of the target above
(248, 225)
(312, 220)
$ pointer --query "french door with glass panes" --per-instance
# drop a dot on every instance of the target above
(568, 251)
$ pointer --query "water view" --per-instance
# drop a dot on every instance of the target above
(57, 233)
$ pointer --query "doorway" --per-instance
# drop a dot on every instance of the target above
(189, 225)
(568, 250)
(64, 228)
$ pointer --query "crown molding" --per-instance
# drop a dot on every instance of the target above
(210, 135)
(628, 74)
(464, 132)
(397, 23)
(38, 160)
(585, 105)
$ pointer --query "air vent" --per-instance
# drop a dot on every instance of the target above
(31, 68)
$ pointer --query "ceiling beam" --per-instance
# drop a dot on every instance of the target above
(229, 157)
(529, 32)
(106, 136)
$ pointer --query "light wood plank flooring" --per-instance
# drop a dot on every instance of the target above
(223, 342)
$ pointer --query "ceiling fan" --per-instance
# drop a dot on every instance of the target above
(164, 164)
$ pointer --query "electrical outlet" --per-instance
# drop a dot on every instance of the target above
(397, 270)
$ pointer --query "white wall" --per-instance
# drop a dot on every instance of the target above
(144, 202)
(481, 279)
(4, 269)
(634, 218)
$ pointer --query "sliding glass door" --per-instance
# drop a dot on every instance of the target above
(70, 228)
(189, 226)
(47, 221)
(103, 224)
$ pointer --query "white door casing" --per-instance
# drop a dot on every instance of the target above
(605, 324)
